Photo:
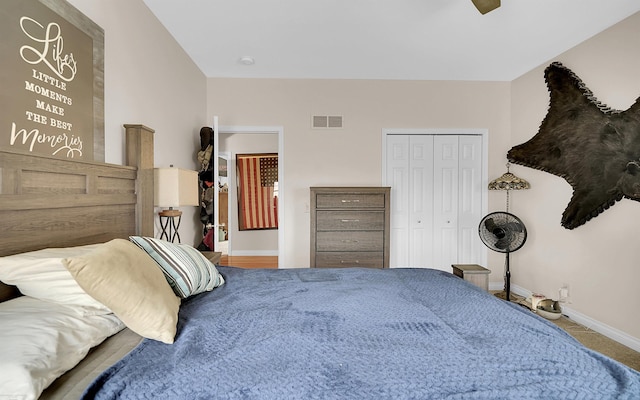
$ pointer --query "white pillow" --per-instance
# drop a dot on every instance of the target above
(41, 274)
(40, 340)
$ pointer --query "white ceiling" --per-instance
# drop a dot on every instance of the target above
(382, 39)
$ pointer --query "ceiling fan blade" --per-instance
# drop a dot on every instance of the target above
(484, 6)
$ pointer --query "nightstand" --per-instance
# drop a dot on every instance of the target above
(213, 256)
(473, 273)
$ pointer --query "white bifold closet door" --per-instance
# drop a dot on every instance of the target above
(436, 199)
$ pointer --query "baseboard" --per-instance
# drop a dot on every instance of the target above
(584, 320)
(603, 329)
(254, 253)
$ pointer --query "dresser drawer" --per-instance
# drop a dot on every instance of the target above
(350, 220)
(350, 241)
(332, 259)
(350, 200)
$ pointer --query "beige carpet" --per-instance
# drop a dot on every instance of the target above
(590, 338)
(600, 343)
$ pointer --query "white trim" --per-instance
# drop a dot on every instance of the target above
(582, 319)
(279, 130)
(499, 286)
(217, 204)
(606, 330)
(268, 253)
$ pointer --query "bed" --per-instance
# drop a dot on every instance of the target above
(54, 203)
(361, 333)
(346, 333)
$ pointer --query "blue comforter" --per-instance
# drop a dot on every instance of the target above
(361, 334)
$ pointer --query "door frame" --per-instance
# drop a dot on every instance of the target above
(217, 206)
(483, 132)
(233, 129)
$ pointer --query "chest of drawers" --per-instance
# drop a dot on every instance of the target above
(349, 227)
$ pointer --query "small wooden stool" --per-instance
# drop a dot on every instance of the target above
(213, 256)
(473, 273)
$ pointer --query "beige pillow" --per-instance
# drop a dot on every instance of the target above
(124, 278)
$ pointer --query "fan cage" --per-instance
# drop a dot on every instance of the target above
(502, 232)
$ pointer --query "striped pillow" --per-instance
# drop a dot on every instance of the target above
(185, 268)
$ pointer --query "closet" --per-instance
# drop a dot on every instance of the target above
(436, 199)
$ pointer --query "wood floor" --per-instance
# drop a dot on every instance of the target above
(249, 261)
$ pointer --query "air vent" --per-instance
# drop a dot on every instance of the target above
(326, 121)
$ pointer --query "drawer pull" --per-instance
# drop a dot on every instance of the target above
(351, 201)
(349, 241)
(350, 262)
(349, 220)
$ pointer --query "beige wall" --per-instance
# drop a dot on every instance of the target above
(150, 80)
(353, 155)
(599, 260)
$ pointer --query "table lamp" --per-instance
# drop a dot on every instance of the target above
(174, 187)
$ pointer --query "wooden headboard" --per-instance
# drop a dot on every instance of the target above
(49, 202)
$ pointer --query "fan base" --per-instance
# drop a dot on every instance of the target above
(519, 300)
(502, 295)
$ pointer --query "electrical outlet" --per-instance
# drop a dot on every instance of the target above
(563, 294)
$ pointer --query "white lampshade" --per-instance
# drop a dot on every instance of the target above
(175, 187)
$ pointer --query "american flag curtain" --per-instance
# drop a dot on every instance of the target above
(258, 200)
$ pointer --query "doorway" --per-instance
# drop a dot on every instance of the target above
(232, 208)
(438, 181)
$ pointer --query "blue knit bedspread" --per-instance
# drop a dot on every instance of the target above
(361, 334)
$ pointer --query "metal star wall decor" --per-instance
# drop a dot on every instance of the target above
(596, 149)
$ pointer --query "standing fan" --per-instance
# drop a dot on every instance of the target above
(503, 232)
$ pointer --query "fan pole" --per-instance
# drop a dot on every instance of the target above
(507, 278)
